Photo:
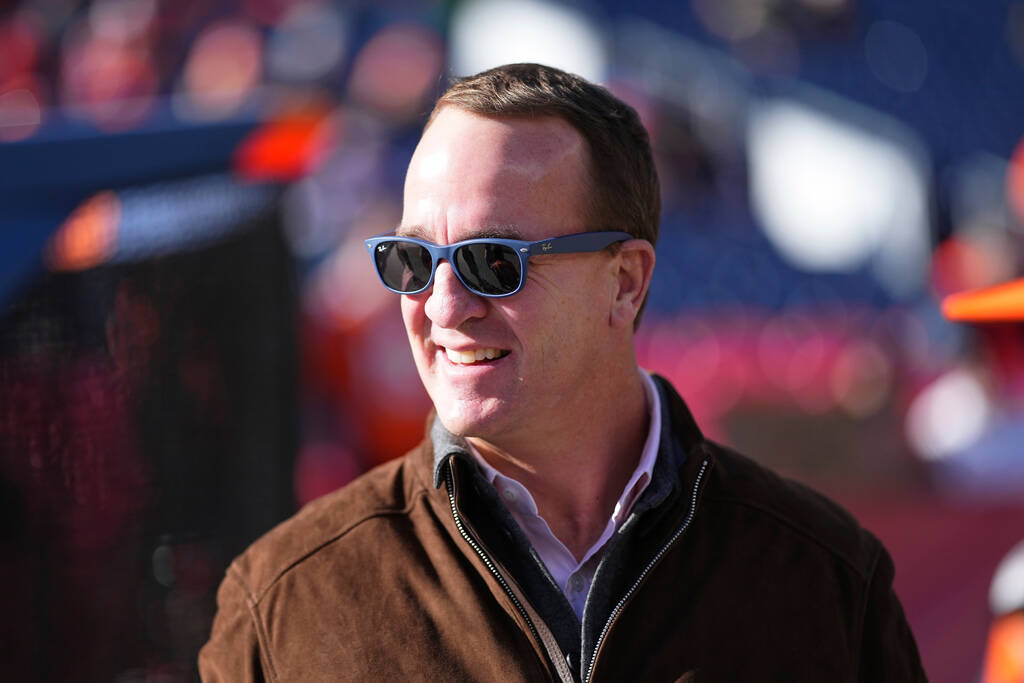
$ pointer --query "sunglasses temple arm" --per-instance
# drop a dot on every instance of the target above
(584, 242)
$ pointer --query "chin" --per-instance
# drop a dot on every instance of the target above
(478, 418)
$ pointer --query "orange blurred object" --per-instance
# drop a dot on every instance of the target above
(88, 237)
(1002, 303)
(286, 148)
(1004, 654)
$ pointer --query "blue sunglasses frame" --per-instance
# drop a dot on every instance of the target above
(578, 243)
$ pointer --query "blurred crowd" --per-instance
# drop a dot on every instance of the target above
(830, 170)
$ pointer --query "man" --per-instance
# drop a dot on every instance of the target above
(564, 519)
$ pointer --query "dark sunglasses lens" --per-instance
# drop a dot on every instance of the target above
(488, 268)
(403, 266)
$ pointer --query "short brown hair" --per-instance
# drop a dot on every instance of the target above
(624, 181)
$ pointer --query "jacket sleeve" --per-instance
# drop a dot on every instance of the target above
(888, 649)
(233, 652)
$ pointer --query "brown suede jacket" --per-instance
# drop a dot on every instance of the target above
(416, 573)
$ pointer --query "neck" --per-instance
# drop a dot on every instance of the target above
(577, 466)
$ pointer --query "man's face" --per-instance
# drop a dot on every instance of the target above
(521, 178)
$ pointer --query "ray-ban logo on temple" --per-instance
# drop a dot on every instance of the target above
(488, 267)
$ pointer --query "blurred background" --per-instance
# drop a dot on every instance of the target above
(193, 343)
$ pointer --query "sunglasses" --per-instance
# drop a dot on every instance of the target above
(488, 267)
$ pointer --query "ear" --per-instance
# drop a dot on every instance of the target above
(634, 267)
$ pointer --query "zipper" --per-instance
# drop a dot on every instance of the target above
(493, 568)
(646, 570)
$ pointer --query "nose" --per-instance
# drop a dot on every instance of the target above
(449, 304)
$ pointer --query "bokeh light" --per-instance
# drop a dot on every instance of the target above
(862, 378)
(105, 79)
(308, 44)
(1015, 182)
(832, 196)
(223, 67)
(1007, 592)
(948, 415)
(396, 69)
(20, 38)
(122, 21)
(486, 33)
(21, 112)
(88, 237)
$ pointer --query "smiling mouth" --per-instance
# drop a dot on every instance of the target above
(474, 356)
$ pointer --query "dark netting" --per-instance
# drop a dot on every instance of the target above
(147, 434)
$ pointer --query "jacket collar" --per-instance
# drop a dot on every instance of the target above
(446, 445)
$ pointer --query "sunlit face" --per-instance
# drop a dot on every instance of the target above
(522, 178)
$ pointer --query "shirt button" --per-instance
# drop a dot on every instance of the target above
(577, 583)
(509, 495)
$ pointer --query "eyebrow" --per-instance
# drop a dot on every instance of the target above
(411, 231)
(508, 232)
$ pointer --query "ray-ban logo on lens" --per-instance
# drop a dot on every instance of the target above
(546, 246)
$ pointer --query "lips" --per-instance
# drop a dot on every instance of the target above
(473, 356)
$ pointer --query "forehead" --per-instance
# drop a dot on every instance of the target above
(527, 143)
(496, 174)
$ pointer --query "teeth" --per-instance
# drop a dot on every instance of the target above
(470, 357)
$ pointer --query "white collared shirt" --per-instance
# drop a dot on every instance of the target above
(575, 578)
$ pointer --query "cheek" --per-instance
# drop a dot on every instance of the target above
(577, 303)
(542, 322)
(414, 319)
